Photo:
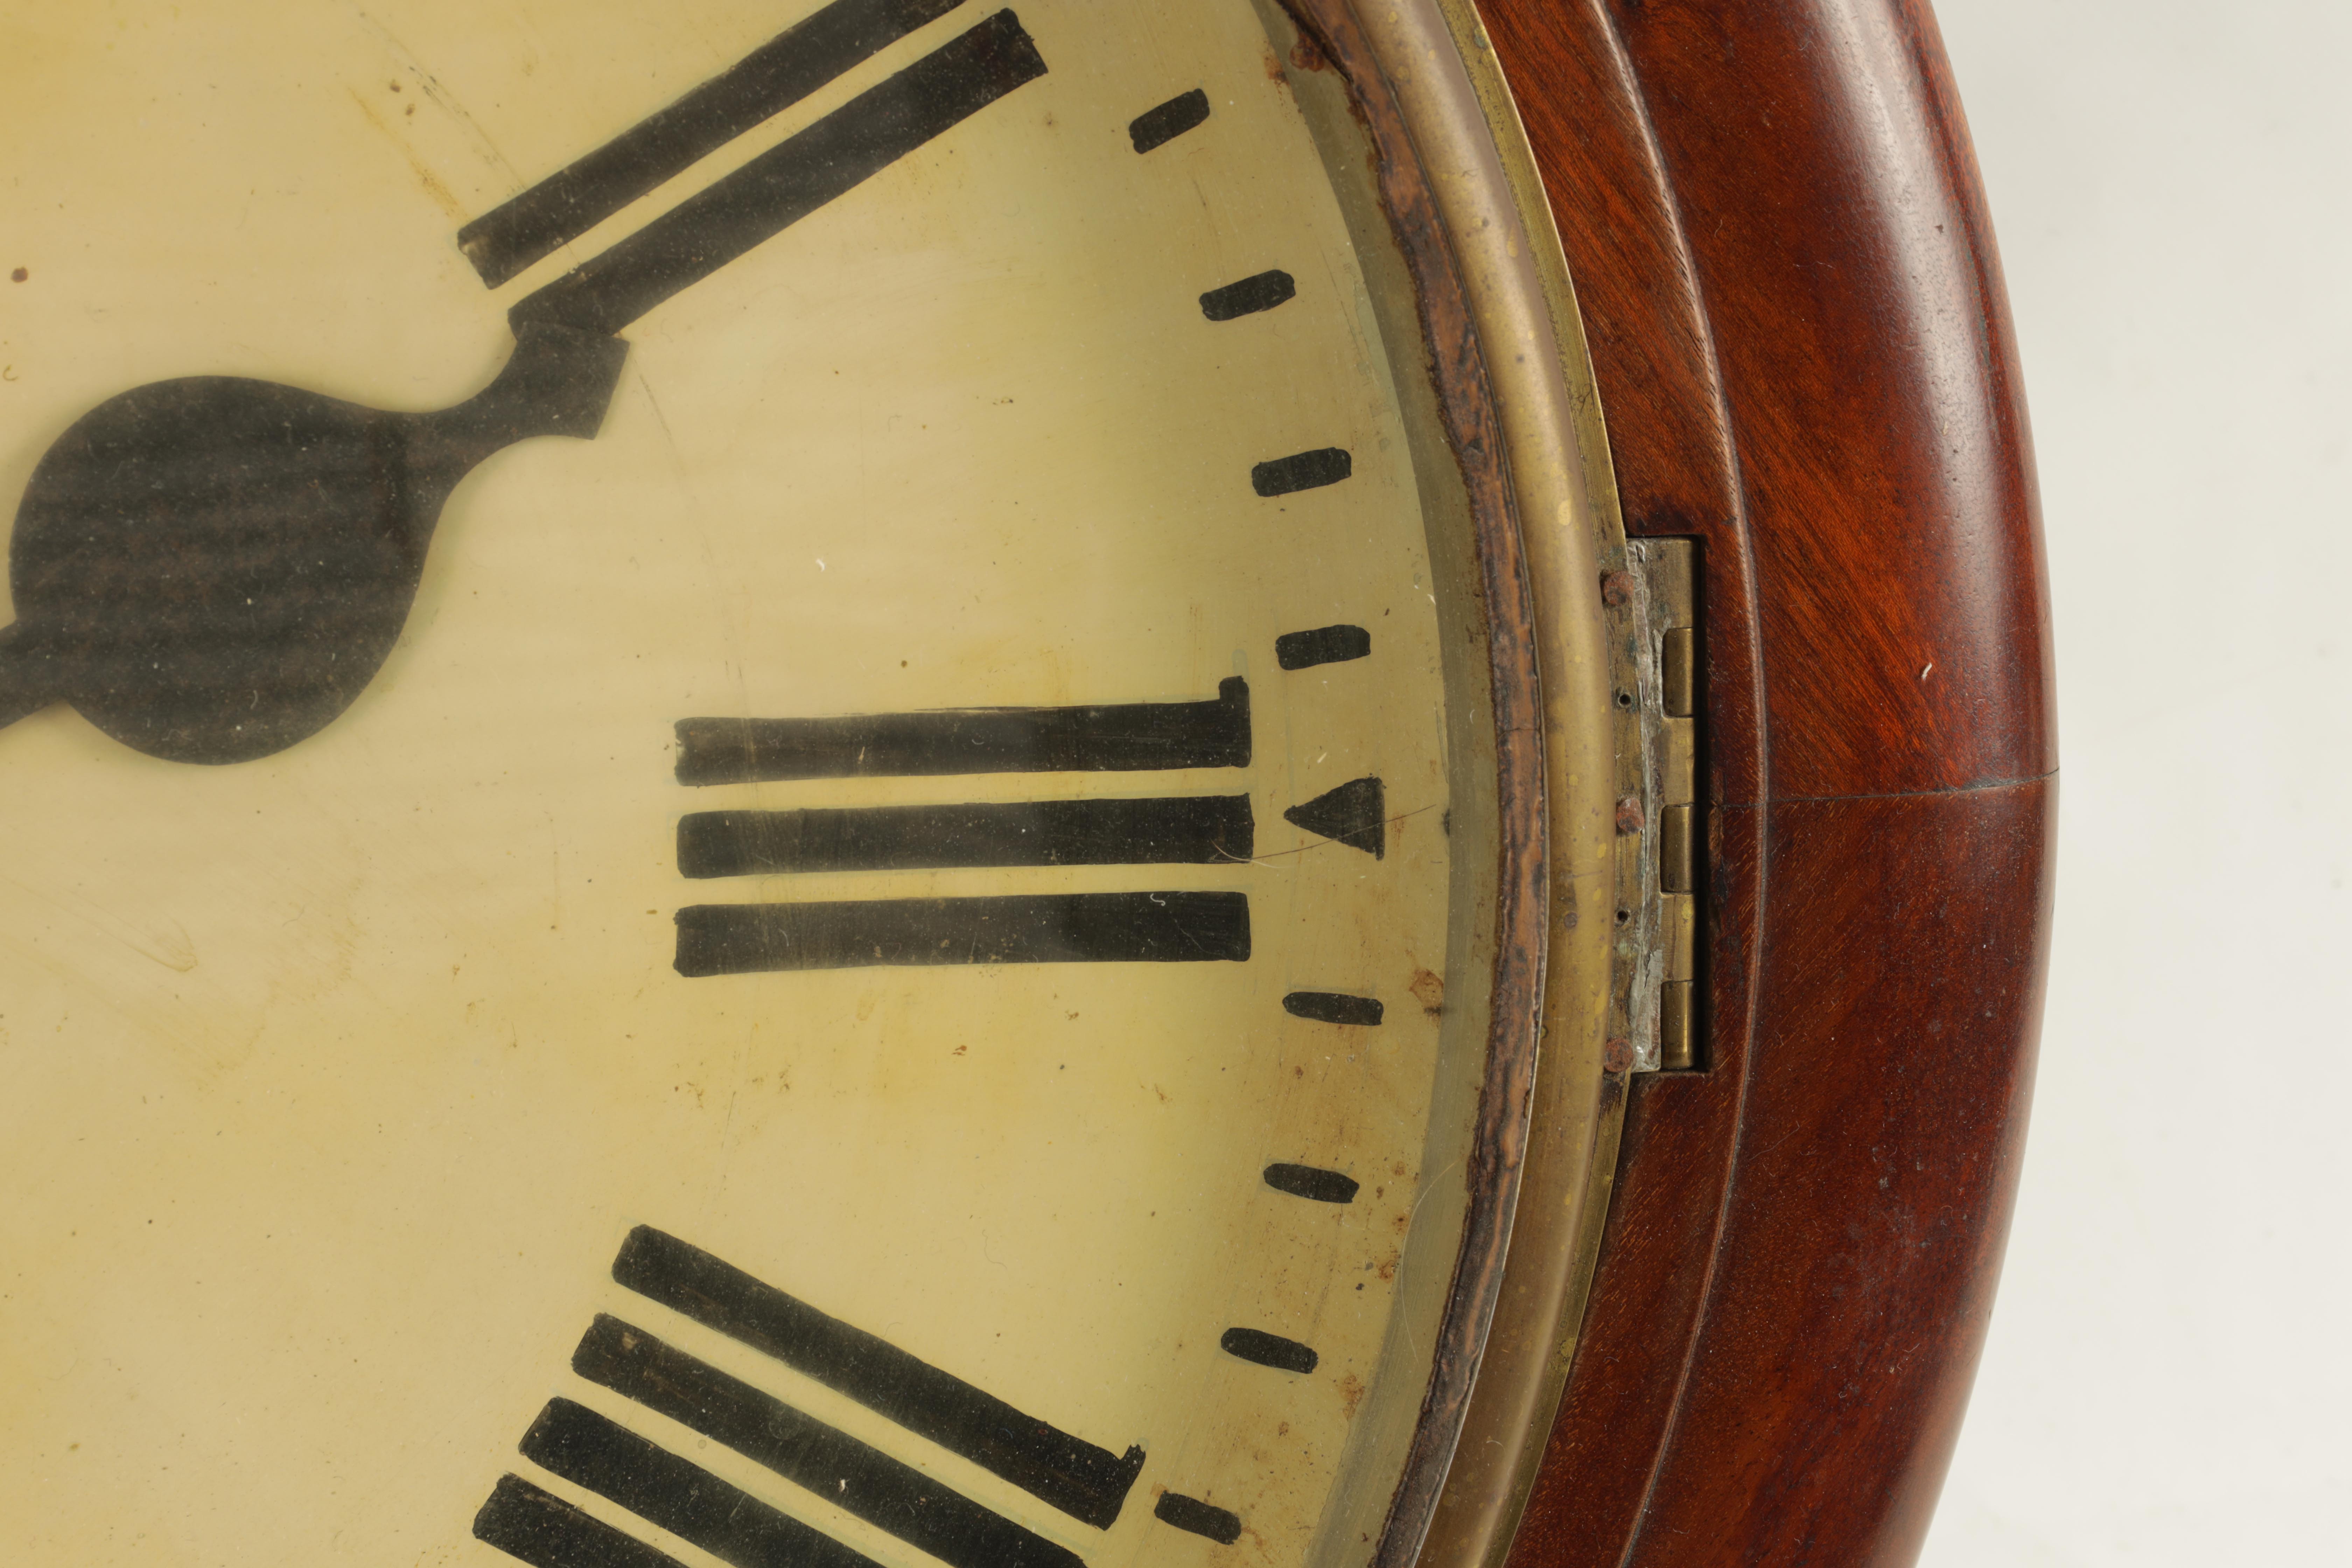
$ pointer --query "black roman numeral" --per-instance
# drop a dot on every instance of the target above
(1171, 927)
(1198, 830)
(790, 181)
(605, 1457)
(771, 79)
(1084, 1481)
(1148, 927)
(1119, 738)
(593, 1451)
(542, 1530)
(806, 1451)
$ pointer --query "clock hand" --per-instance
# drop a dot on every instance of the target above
(212, 569)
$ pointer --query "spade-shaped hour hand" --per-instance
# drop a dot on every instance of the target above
(211, 569)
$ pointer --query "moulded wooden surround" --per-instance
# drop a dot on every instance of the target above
(1780, 247)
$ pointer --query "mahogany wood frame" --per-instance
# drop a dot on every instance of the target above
(1780, 247)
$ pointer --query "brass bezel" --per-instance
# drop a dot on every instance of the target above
(1429, 87)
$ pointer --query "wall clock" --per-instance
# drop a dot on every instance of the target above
(904, 782)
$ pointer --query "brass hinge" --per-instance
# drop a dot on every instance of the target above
(1660, 882)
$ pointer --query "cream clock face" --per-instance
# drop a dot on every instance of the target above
(833, 924)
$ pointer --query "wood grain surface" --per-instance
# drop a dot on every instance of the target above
(1803, 348)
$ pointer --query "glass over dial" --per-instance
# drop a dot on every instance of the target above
(747, 817)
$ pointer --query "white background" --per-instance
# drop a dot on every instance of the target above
(2167, 1379)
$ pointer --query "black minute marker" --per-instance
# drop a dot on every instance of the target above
(1333, 1007)
(1220, 1525)
(1324, 645)
(1302, 471)
(1248, 297)
(1269, 1350)
(1158, 127)
(1312, 1182)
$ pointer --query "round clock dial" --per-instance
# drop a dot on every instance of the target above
(752, 795)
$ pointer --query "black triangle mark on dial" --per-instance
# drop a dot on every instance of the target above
(1356, 815)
